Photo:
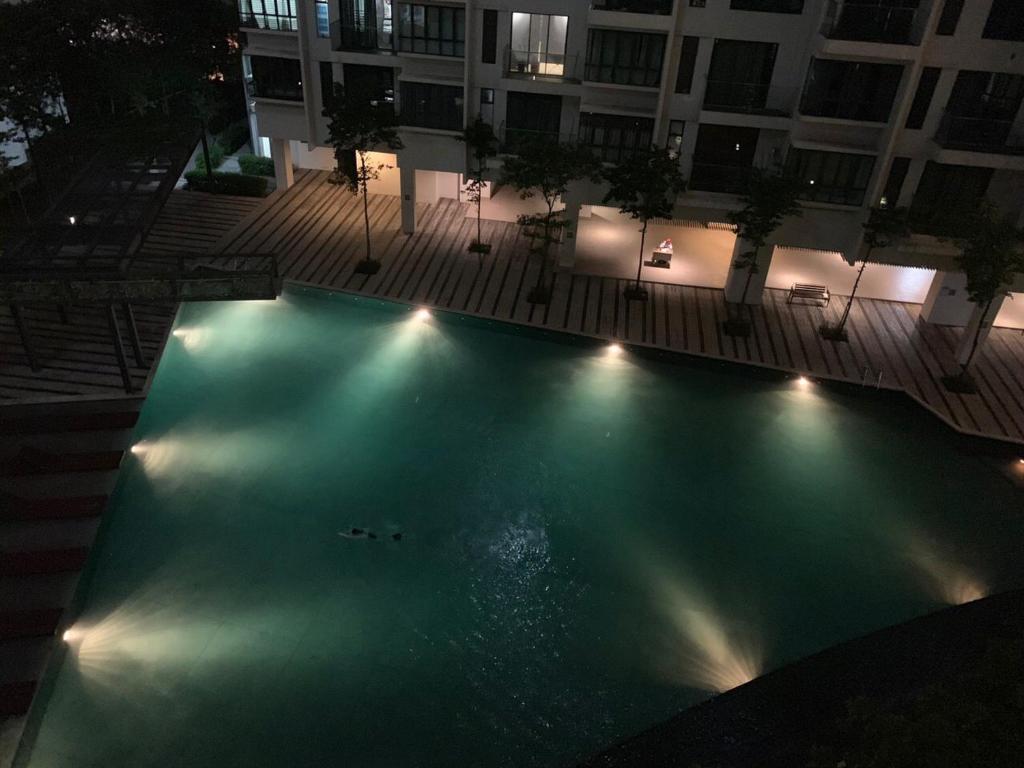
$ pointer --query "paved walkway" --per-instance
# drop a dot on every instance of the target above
(78, 357)
(315, 229)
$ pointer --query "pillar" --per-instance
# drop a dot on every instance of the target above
(947, 302)
(736, 280)
(281, 151)
(978, 318)
(571, 217)
(407, 177)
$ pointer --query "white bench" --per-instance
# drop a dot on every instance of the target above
(815, 293)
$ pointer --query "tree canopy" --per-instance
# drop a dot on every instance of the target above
(646, 185)
(358, 125)
(990, 253)
(771, 197)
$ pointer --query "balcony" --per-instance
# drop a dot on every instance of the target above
(274, 22)
(348, 36)
(533, 65)
(749, 98)
(711, 177)
(870, 22)
(658, 7)
(980, 134)
(511, 139)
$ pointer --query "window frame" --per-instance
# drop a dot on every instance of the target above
(834, 178)
(610, 138)
(426, 35)
(431, 112)
(624, 57)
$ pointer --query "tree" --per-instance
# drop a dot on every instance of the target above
(546, 167)
(771, 197)
(481, 141)
(990, 257)
(885, 227)
(358, 125)
(645, 186)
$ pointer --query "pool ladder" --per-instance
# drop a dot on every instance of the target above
(869, 378)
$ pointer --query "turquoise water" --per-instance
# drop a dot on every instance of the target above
(590, 542)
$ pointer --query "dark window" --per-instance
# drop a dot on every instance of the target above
(1005, 21)
(831, 177)
(615, 138)
(624, 58)
(950, 17)
(768, 6)
(740, 75)
(268, 14)
(687, 59)
(661, 7)
(981, 111)
(435, 29)
(894, 182)
(326, 84)
(374, 84)
(723, 157)
(850, 90)
(426, 105)
(530, 115)
(923, 97)
(697, 3)
(884, 21)
(944, 192)
(276, 78)
(489, 52)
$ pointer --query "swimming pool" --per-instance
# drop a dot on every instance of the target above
(590, 542)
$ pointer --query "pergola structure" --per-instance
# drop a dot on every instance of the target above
(86, 250)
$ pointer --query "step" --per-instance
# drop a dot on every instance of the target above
(31, 623)
(54, 508)
(43, 561)
(69, 422)
(30, 461)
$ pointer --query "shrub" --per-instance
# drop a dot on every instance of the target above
(227, 183)
(234, 137)
(255, 165)
(216, 157)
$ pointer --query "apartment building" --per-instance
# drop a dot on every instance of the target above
(917, 102)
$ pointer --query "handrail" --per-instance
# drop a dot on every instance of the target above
(867, 22)
(275, 22)
(984, 134)
(752, 98)
(659, 7)
(559, 66)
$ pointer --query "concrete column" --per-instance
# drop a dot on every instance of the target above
(978, 318)
(284, 173)
(426, 187)
(407, 176)
(947, 302)
(571, 216)
(736, 280)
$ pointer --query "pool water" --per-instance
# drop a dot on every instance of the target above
(590, 542)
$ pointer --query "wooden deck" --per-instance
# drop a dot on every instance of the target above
(78, 358)
(315, 229)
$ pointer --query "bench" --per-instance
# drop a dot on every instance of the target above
(815, 293)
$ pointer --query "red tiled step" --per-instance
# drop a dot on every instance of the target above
(29, 623)
(43, 561)
(15, 698)
(16, 508)
(32, 461)
(71, 422)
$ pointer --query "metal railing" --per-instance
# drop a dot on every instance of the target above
(277, 22)
(357, 36)
(870, 22)
(980, 134)
(659, 7)
(534, 64)
(711, 177)
(750, 98)
(511, 139)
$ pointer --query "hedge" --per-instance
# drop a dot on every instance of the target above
(216, 157)
(255, 165)
(227, 183)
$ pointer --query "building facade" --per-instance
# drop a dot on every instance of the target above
(914, 102)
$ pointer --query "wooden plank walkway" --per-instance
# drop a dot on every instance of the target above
(316, 230)
(77, 358)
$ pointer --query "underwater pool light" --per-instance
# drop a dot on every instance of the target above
(423, 314)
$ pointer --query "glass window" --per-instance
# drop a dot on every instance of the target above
(950, 17)
(268, 14)
(740, 74)
(439, 30)
(427, 105)
(945, 188)
(923, 97)
(850, 90)
(1005, 21)
(831, 177)
(687, 60)
(538, 44)
(624, 58)
(768, 6)
(276, 78)
(323, 19)
(615, 138)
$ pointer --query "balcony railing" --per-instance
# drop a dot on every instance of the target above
(276, 22)
(659, 7)
(868, 22)
(750, 98)
(349, 36)
(511, 139)
(534, 64)
(980, 134)
(710, 177)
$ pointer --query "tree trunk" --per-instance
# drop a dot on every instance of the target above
(546, 245)
(977, 334)
(366, 202)
(853, 292)
(640, 266)
(206, 153)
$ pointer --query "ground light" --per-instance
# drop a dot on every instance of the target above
(614, 349)
(423, 314)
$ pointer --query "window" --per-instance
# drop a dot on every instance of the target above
(687, 59)
(831, 177)
(768, 6)
(661, 7)
(532, 114)
(326, 84)
(850, 90)
(740, 75)
(276, 78)
(697, 3)
(894, 182)
(426, 105)
(883, 21)
(489, 47)
(268, 14)
(538, 44)
(374, 84)
(434, 29)
(950, 17)
(615, 137)
(923, 97)
(624, 58)
(981, 112)
(723, 157)
(1005, 21)
(945, 188)
(323, 19)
